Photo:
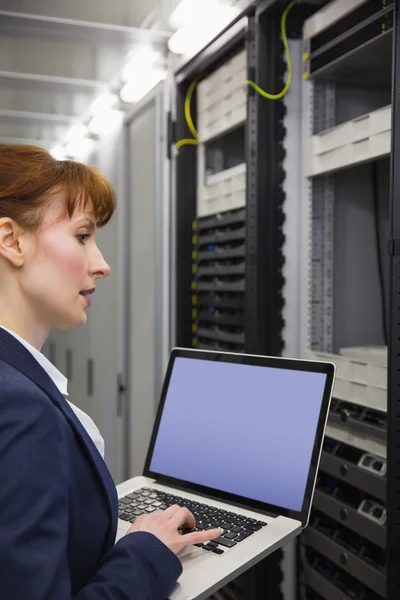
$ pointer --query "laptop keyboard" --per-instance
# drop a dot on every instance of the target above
(236, 527)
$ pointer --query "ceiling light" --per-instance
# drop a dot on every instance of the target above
(105, 121)
(79, 147)
(195, 34)
(191, 10)
(141, 84)
(140, 60)
(103, 102)
(58, 152)
(79, 130)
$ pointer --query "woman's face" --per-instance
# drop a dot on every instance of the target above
(62, 261)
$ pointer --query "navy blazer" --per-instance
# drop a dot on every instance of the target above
(58, 502)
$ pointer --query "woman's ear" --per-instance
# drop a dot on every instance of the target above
(11, 246)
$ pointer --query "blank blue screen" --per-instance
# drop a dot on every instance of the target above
(242, 429)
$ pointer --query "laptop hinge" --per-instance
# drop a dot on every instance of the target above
(185, 488)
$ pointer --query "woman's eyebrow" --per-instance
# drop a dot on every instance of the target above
(87, 221)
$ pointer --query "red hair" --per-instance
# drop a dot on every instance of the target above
(29, 175)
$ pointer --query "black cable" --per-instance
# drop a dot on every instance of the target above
(375, 198)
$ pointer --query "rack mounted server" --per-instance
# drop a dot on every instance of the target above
(218, 282)
(347, 73)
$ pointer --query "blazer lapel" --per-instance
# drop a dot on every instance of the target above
(15, 354)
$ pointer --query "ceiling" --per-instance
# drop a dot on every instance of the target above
(56, 56)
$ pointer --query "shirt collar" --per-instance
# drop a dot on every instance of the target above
(58, 378)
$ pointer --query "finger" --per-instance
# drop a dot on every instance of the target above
(171, 511)
(183, 517)
(199, 537)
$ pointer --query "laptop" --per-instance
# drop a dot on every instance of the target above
(237, 440)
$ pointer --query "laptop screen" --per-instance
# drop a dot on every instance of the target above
(242, 429)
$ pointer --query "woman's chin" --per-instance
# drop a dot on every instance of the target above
(76, 322)
(81, 322)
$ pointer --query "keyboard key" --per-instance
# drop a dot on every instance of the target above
(218, 551)
(124, 501)
(262, 523)
(215, 524)
(185, 531)
(243, 536)
(125, 516)
(133, 496)
(199, 545)
(224, 542)
(208, 548)
(212, 544)
(230, 535)
(236, 529)
(252, 527)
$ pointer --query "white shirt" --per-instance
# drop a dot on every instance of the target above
(61, 383)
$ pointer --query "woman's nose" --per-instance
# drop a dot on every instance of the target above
(104, 270)
(100, 268)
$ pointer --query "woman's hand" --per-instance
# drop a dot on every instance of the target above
(165, 525)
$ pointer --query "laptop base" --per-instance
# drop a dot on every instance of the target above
(204, 573)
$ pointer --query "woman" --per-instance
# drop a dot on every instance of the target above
(58, 503)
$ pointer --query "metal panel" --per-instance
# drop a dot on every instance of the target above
(357, 293)
(292, 207)
(359, 477)
(118, 12)
(146, 224)
(317, 228)
(347, 560)
(351, 518)
(305, 220)
(88, 32)
(393, 473)
(38, 81)
(11, 115)
(322, 265)
(184, 213)
(265, 195)
(107, 313)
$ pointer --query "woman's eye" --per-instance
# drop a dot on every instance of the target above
(82, 237)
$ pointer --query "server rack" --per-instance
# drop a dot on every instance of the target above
(244, 276)
(351, 547)
(347, 552)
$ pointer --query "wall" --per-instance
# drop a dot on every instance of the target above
(102, 339)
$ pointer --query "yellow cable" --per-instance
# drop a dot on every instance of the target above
(189, 120)
(187, 142)
(289, 62)
(188, 99)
